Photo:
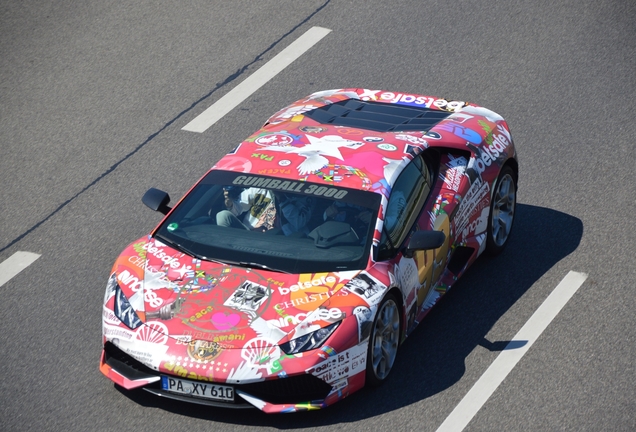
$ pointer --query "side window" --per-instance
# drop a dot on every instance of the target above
(405, 203)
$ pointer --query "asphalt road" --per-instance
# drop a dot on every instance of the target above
(93, 96)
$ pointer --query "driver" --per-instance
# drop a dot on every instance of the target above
(250, 209)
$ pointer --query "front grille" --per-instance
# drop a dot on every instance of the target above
(295, 389)
(125, 364)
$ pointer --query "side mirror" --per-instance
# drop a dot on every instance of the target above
(424, 240)
(157, 200)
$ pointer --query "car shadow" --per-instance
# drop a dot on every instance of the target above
(432, 358)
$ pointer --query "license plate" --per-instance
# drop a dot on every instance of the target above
(198, 389)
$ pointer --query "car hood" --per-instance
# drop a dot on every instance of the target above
(188, 299)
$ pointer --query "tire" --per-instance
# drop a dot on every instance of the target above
(384, 341)
(502, 211)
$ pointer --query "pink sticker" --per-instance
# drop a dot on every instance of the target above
(223, 321)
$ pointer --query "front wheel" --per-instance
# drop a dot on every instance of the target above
(502, 211)
(384, 341)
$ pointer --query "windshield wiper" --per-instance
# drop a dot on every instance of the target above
(184, 249)
(254, 265)
(181, 248)
(262, 266)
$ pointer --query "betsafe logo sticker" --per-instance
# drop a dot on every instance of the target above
(310, 291)
(307, 284)
(413, 100)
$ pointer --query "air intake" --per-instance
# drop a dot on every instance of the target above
(377, 116)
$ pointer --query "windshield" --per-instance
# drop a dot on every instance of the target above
(264, 222)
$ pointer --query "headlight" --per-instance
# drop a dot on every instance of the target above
(309, 341)
(111, 287)
(124, 311)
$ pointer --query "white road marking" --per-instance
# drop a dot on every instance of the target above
(255, 81)
(15, 264)
(463, 413)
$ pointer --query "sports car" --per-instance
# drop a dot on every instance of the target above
(289, 275)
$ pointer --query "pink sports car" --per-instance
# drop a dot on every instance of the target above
(288, 276)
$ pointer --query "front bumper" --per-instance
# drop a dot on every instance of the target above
(295, 393)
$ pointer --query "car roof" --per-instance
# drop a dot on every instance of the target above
(355, 137)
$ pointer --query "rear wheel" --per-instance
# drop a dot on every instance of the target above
(384, 341)
(502, 211)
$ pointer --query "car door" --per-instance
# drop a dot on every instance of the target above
(405, 213)
(431, 263)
